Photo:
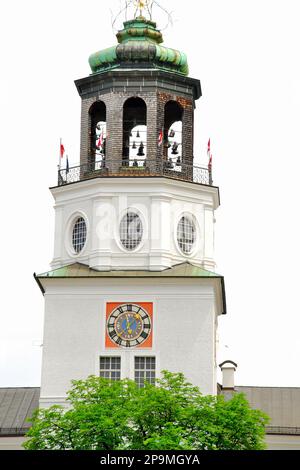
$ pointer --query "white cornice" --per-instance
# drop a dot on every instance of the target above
(156, 187)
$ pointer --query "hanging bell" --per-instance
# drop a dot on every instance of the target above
(170, 164)
(141, 150)
(138, 135)
(134, 145)
(172, 133)
(104, 147)
(175, 148)
(178, 162)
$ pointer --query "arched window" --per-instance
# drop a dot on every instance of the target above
(134, 132)
(98, 135)
(173, 135)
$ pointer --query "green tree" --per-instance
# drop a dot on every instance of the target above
(173, 415)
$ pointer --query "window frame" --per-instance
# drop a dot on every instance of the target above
(139, 246)
(78, 220)
(69, 234)
(191, 218)
(110, 370)
(140, 370)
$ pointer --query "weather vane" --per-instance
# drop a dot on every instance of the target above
(142, 5)
(136, 8)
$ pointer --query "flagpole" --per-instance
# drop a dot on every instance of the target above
(59, 154)
(209, 163)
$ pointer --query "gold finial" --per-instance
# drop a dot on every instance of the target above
(141, 5)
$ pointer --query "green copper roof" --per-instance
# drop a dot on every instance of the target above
(81, 271)
(184, 270)
(139, 43)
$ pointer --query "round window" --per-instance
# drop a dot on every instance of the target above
(131, 231)
(79, 234)
(186, 234)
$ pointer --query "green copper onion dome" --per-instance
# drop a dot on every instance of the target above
(139, 46)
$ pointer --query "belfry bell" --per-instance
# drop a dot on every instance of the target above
(175, 148)
(141, 150)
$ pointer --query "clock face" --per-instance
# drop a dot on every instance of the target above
(129, 325)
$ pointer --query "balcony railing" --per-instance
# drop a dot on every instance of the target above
(135, 168)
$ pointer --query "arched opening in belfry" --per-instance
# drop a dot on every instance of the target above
(98, 134)
(134, 132)
(173, 135)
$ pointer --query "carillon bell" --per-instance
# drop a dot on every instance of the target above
(172, 133)
(141, 150)
(175, 149)
(134, 145)
(178, 162)
(170, 164)
(138, 135)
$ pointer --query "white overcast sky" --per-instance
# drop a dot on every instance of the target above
(246, 54)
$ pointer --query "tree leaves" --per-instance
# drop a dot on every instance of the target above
(174, 415)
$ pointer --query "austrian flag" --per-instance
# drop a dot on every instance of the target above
(160, 138)
(209, 154)
(62, 150)
(100, 141)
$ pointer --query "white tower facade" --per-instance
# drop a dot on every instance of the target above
(132, 290)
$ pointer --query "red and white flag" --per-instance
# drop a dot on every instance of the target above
(160, 138)
(62, 150)
(100, 140)
(208, 147)
(209, 154)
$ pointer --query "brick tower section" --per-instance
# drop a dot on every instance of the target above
(156, 88)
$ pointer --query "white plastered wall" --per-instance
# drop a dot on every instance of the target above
(74, 332)
(159, 202)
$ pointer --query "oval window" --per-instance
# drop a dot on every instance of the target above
(186, 235)
(131, 231)
(79, 235)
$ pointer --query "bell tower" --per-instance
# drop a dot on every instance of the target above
(132, 290)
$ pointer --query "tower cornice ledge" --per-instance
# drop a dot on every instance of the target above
(137, 80)
(156, 186)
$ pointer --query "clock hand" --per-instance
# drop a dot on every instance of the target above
(129, 331)
(131, 324)
(123, 330)
(127, 328)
